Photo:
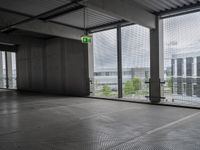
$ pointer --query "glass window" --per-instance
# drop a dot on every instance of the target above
(198, 66)
(135, 61)
(172, 69)
(194, 89)
(105, 63)
(179, 66)
(182, 54)
(12, 76)
(2, 70)
(8, 70)
(189, 66)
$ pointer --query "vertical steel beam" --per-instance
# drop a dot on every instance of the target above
(6, 64)
(119, 61)
(1, 70)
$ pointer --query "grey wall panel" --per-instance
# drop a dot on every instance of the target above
(23, 67)
(53, 60)
(37, 83)
(55, 65)
(76, 56)
(23, 75)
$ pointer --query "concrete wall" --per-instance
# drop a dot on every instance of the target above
(55, 65)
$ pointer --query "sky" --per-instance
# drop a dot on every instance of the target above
(181, 35)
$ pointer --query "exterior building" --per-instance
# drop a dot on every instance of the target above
(186, 74)
(109, 76)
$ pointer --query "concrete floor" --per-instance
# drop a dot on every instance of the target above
(44, 122)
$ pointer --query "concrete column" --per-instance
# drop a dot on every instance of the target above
(1, 70)
(156, 62)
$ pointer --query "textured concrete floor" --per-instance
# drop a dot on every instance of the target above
(43, 122)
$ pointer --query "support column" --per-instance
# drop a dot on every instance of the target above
(6, 64)
(1, 70)
(119, 61)
(9, 70)
(156, 63)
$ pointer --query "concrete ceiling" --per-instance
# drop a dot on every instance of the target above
(53, 17)
(32, 7)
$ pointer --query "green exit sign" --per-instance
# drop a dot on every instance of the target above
(86, 39)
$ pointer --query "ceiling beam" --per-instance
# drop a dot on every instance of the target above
(123, 10)
(25, 16)
(8, 47)
(49, 28)
(55, 10)
(54, 15)
(106, 26)
(14, 12)
(35, 24)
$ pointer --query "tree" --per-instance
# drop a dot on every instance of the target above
(169, 83)
(106, 90)
(132, 86)
(137, 84)
(128, 88)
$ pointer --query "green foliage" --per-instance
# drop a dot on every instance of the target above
(169, 86)
(106, 90)
(137, 84)
(128, 88)
(169, 83)
(132, 86)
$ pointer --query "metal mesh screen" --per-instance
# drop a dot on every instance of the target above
(181, 59)
(105, 63)
(135, 61)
